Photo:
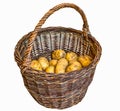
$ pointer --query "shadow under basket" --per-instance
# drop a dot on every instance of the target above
(57, 90)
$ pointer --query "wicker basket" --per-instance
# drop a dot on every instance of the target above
(57, 90)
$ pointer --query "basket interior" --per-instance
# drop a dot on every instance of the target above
(50, 39)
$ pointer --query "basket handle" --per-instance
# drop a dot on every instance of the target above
(27, 59)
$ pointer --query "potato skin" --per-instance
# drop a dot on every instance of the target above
(50, 69)
(58, 54)
(72, 61)
(63, 62)
(74, 66)
(71, 56)
(59, 70)
(44, 62)
(61, 66)
(53, 62)
(35, 65)
(85, 60)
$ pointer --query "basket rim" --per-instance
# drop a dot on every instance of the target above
(93, 64)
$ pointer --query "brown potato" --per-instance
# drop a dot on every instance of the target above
(74, 66)
(58, 54)
(61, 66)
(71, 56)
(85, 60)
(44, 62)
(50, 69)
(53, 62)
(35, 65)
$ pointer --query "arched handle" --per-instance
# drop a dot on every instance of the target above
(27, 59)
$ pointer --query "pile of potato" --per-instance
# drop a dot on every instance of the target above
(61, 62)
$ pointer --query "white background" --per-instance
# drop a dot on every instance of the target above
(18, 17)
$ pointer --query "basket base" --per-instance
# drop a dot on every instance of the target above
(62, 103)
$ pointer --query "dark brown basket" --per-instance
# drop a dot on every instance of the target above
(57, 90)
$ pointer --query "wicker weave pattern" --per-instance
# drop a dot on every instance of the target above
(52, 90)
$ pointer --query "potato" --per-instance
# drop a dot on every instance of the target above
(53, 62)
(72, 61)
(85, 60)
(63, 62)
(44, 62)
(71, 56)
(74, 66)
(61, 66)
(76, 63)
(50, 69)
(35, 65)
(58, 54)
(59, 70)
